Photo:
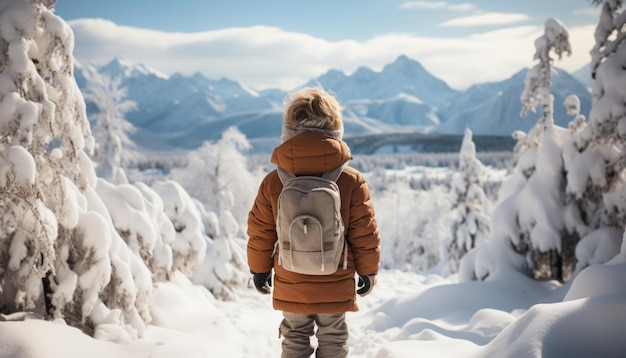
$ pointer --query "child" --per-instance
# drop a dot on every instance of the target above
(311, 145)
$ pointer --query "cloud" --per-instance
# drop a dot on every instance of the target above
(269, 57)
(491, 18)
(582, 41)
(462, 7)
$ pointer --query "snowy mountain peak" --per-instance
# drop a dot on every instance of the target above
(501, 101)
(406, 66)
(198, 76)
(364, 73)
(404, 97)
(414, 79)
(332, 76)
(402, 76)
(124, 69)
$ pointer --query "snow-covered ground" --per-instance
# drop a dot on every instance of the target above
(407, 315)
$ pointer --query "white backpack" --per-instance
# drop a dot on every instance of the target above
(309, 224)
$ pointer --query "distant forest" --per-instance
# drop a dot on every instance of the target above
(425, 143)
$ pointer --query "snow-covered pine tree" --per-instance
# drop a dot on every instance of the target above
(542, 240)
(595, 159)
(470, 218)
(537, 93)
(555, 40)
(534, 219)
(580, 212)
(189, 244)
(53, 222)
(217, 174)
(109, 128)
(607, 119)
(538, 82)
(138, 215)
(550, 242)
(610, 33)
(44, 131)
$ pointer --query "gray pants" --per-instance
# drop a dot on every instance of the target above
(332, 335)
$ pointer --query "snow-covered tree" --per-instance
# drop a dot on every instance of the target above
(44, 131)
(610, 33)
(217, 263)
(217, 175)
(544, 236)
(109, 128)
(223, 269)
(414, 223)
(595, 159)
(138, 215)
(222, 188)
(606, 133)
(189, 244)
(54, 225)
(593, 196)
(538, 82)
(555, 40)
(533, 218)
(470, 218)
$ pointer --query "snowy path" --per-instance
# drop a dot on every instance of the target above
(257, 322)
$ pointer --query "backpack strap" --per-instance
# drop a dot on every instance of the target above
(329, 175)
(335, 173)
(284, 175)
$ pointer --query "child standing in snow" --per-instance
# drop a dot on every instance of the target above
(311, 145)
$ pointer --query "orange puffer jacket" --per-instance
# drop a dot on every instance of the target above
(312, 154)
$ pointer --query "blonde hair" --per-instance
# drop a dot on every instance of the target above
(312, 109)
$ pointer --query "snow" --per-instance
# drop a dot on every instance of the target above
(152, 271)
(407, 315)
(410, 313)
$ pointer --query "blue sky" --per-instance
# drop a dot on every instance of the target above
(284, 43)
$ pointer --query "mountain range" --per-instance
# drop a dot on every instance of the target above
(184, 111)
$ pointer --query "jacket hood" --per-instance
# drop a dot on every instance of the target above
(311, 153)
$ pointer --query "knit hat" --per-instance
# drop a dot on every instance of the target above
(312, 109)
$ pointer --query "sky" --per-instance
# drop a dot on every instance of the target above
(283, 44)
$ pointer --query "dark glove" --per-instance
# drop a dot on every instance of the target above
(366, 284)
(263, 282)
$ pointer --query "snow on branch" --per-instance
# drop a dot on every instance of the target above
(539, 78)
(609, 34)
